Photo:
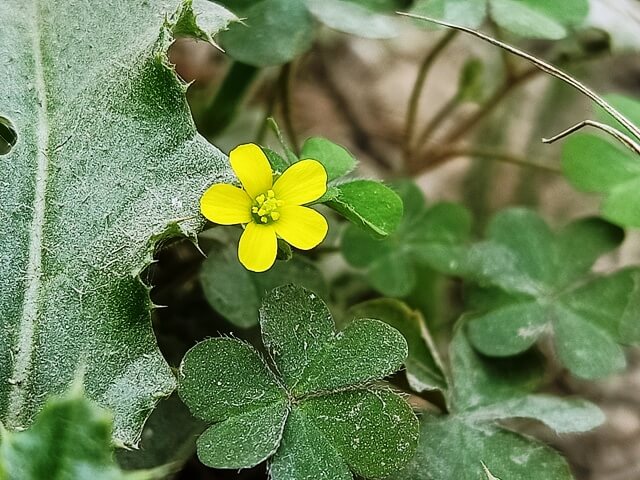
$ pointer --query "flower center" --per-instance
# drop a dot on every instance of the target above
(265, 208)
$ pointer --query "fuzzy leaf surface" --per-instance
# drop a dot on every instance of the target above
(70, 439)
(107, 160)
(319, 414)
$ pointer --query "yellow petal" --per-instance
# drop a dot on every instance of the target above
(252, 168)
(258, 247)
(303, 182)
(226, 204)
(302, 227)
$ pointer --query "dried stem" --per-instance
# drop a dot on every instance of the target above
(621, 137)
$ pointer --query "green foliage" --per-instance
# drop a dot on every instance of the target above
(546, 284)
(70, 439)
(482, 395)
(336, 160)
(426, 236)
(277, 31)
(318, 414)
(423, 365)
(236, 293)
(548, 19)
(596, 164)
(107, 160)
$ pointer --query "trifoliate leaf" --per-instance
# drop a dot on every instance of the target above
(349, 17)
(369, 204)
(425, 236)
(548, 19)
(424, 367)
(549, 287)
(336, 160)
(236, 293)
(69, 439)
(319, 414)
(482, 396)
(595, 164)
(107, 165)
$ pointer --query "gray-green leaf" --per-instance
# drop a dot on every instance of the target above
(106, 164)
(319, 415)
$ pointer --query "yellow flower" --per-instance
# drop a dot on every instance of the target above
(269, 210)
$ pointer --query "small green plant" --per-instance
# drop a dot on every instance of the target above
(326, 320)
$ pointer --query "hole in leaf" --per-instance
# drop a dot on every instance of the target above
(8, 136)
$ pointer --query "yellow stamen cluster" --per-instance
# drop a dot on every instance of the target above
(265, 208)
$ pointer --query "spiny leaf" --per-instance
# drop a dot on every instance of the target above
(70, 439)
(318, 415)
(108, 164)
(426, 236)
(549, 287)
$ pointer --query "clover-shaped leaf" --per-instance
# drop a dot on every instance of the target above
(313, 410)
(481, 396)
(547, 285)
(425, 236)
(424, 367)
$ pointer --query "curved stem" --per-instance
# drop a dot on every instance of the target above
(437, 119)
(418, 86)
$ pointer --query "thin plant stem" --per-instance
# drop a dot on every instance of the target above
(264, 125)
(547, 68)
(285, 82)
(418, 87)
(436, 121)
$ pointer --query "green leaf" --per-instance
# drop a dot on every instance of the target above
(549, 287)
(273, 32)
(425, 236)
(451, 448)
(369, 204)
(107, 163)
(236, 293)
(547, 19)
(349, 17)
(424, 367)
(594, 164)
(485, 392)
(69, 439)
(336, 160)
(278, 163)
(319, 416)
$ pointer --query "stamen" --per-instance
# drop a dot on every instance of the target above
(265, 208)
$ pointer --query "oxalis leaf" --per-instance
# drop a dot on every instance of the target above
(548, 19)
(425, 236)
(548, 286)
(315, 413)
(481, 395)
(424, 367)
(70, 439)
(106, 165)
(594, 164)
